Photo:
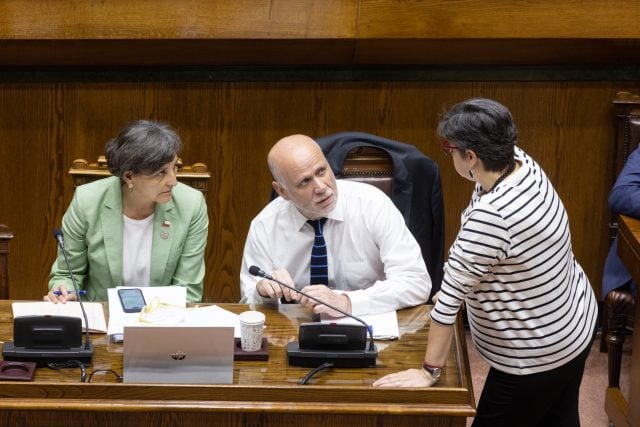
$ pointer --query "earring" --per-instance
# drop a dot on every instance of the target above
(131, 188)
(470, 173)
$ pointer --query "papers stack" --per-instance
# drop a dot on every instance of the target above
(385, 325)
(167, 307)
(95, 314)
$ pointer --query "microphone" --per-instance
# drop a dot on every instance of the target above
(57, 233)
(256, 271)
(54, 341)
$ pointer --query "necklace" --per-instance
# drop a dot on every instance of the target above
(505, 174)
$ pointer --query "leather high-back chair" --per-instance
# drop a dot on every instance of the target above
(619, 304)
(82, 172)
(5, 237)
(410, 178)
(371, 165)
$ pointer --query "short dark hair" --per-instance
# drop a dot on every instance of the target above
(484, 126)
(143, 146)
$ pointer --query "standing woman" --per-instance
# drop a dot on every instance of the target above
(531, 309)
(139, 227)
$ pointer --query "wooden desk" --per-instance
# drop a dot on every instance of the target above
(262, 393)
(616, 406)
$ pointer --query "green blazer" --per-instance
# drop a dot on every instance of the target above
(92, 228)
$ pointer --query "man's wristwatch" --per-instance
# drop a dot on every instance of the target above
(434, 371)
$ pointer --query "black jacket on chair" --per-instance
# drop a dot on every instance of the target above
(417, 191)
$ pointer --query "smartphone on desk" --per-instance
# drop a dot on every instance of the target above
(131, 299)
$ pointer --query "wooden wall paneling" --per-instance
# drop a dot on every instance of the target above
(231, 126)
(348, 32)
(191, 32)
(189, 52)
(496, 32)
(32, 135)
(497, 19)
(491, 51)
(170, 20)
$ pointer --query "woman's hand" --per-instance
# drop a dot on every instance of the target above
(60, 294)
(435, 297)
(408, 378)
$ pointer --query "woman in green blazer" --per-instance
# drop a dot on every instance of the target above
(139, 227)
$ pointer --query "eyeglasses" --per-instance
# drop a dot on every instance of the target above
(161, 313)
(448, 148)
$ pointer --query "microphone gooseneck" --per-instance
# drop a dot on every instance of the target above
(60, 238)
(257, 271)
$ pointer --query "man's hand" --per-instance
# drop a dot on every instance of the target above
(63, 297)
(408, 378)
(325, 294)
(269, 289)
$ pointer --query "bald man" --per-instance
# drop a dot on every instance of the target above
(374, 262)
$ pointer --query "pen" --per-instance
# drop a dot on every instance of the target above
(81, 292)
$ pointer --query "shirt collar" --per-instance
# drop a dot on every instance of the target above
(299, 220)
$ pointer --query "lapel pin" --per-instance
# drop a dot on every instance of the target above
(166, 223)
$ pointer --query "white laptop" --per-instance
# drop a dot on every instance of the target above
(178, 354)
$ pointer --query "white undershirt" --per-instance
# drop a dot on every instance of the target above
(137, 236)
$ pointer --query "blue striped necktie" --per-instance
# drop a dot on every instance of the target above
(318, 268)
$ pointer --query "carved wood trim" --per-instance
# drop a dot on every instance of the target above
(371, 165)
(5, 237)
(83, 172)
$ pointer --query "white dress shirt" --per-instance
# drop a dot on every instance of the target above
(372, 254)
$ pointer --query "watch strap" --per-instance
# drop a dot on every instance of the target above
(426, 366)
(434, 371)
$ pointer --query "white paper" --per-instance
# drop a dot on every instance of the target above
(95, 314)
(385, 325)
(118, 319)
(212, 315)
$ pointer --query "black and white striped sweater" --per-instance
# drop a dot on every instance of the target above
(530, 305)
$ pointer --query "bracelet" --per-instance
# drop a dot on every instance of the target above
(425, 365)
(434, 371)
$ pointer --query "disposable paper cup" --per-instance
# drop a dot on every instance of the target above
(251, 326)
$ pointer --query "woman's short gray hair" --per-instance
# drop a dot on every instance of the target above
(484, 126)
(143, 146)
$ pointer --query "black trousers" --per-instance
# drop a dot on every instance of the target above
(543, 399)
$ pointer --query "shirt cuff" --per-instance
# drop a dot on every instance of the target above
(358, 301)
